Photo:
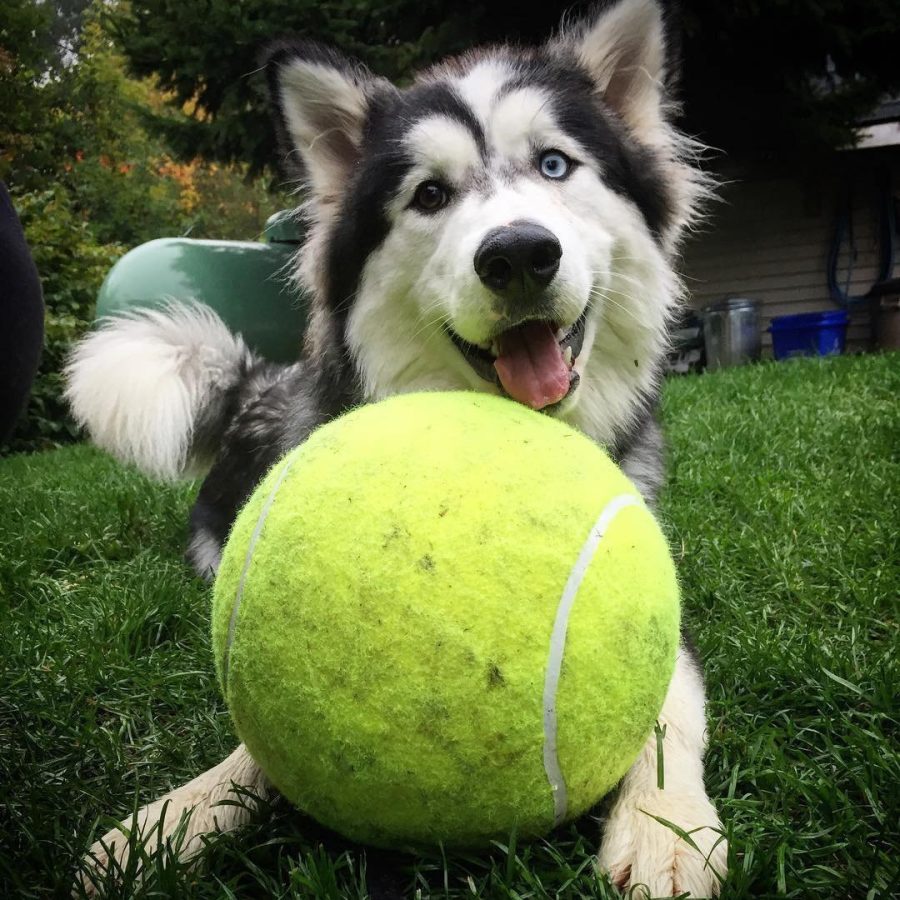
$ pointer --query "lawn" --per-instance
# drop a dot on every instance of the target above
(783, 509)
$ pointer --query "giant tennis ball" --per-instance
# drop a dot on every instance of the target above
(442, 617)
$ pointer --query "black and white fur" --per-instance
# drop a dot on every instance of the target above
(397, 305)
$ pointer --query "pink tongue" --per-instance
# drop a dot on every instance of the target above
(531, 366)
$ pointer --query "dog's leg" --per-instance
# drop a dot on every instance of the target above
(637, 850)
(220, 799)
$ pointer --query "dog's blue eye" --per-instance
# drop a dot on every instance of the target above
(554, 164)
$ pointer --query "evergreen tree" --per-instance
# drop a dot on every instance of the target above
(785, 76)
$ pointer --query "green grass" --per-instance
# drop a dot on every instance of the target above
(783, 511)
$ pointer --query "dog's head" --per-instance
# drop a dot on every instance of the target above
(506, 223)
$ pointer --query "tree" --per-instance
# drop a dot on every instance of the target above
(206, 55)
(25, 101)
(775, 77)
(89, 180)
(787, 76)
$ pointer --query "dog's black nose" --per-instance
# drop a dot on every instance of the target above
(522, 257)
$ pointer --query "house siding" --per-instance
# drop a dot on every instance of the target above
(769, 236)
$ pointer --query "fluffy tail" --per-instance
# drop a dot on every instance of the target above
(154, 387)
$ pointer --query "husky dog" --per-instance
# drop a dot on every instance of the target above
(508, 224)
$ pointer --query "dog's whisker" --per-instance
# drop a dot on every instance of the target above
(621, 258)
(429, 328)
(617, 275)
(630, 298)
(612, 302)
(610, 291)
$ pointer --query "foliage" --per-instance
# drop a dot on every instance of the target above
(25, 100)
(782, 509)
(207, 57)
(222, 201)
(114, 175)
(84, 179)
(785, 77)
(67, 18)
(789, 77)
(90, 180)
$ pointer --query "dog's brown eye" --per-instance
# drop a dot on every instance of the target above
(431, 196)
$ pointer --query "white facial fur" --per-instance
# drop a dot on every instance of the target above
(422, 279)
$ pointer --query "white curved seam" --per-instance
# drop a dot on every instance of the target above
(558, 645)
(239, 593)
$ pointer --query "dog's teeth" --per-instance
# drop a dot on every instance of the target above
(560, 334)
(567, 356)
(495, 348)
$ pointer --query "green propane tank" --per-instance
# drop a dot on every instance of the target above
(247, 283)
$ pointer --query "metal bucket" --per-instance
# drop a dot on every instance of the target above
(731, 332)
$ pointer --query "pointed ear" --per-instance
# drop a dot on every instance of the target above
(321, 100)
(623, 47)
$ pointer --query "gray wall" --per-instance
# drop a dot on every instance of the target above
(769, 236)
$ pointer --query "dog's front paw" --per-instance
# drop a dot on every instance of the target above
(650, 859)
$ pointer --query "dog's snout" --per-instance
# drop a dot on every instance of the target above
(522, 256)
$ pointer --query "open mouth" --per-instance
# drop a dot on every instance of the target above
(533, 362)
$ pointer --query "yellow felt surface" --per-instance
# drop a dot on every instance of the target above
(391, 643)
